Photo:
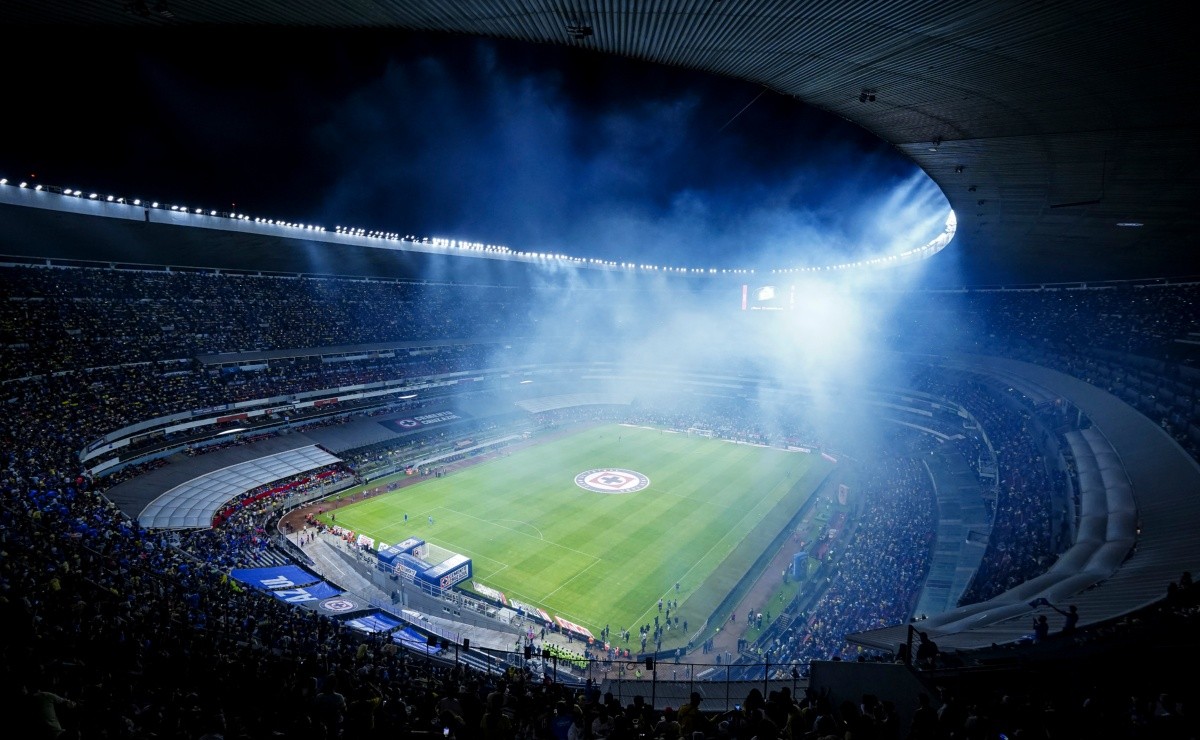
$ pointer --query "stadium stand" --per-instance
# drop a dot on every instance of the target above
(92, 578)
(1042, 123)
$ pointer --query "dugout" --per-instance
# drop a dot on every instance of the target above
(448, 572)
(388, 555)
(414, 546)
(404, 560)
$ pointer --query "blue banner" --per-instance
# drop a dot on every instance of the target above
(415, 641)
(269, 579)
(378, 622)
(314, 592)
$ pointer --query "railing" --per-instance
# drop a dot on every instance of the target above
(658, 683)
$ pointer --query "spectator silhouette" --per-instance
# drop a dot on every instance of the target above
(330, 707)
(1041, 628)
(1071, 620)
(927, 651)
(924, 720)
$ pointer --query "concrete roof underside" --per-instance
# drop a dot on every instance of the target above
(1045, 124)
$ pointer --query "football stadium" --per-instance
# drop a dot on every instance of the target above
(587, 545)
(585, 370)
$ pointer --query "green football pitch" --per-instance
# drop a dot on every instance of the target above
(710, 509)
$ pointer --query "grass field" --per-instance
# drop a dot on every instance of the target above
(594, 558)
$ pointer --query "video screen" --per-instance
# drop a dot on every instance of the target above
(768, 297)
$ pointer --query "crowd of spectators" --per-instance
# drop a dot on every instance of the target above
(118, 632)
(881, 565)
(95, 317)
(1023, 541)
(736, 419)
(1138, 342)
(1139, 320)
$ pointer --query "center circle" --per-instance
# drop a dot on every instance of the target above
(611, 480)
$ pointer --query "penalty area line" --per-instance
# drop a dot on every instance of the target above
(541, 536)
(563, 585)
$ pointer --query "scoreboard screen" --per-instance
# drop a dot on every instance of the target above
(768, 297)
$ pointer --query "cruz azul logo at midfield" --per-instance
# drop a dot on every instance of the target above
(612, 480)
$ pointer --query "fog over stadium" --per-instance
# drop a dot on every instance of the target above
(538, 149)
(729, 220)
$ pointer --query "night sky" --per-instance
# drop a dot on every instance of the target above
(533, 147)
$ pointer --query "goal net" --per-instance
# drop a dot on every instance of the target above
(435, 555)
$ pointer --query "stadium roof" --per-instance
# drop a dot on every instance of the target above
(1052, 128)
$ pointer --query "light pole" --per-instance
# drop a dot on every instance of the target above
(466, 645)
(766, 670)
(653, 666)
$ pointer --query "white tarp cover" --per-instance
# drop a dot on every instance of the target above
(193, 504)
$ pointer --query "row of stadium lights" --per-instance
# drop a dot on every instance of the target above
(922, 251)
(71, 192)
(928, 249)
(590, 261)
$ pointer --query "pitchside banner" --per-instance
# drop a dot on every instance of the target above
(489, 592)
(576, 628)
(530, 611)
(269, 579)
